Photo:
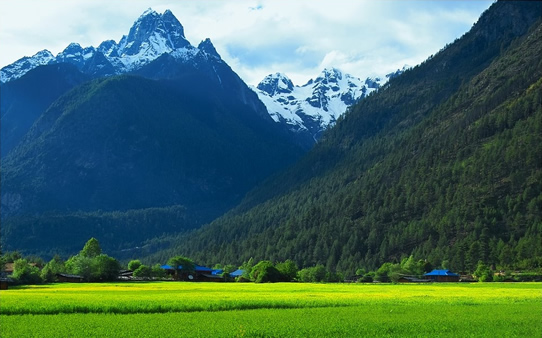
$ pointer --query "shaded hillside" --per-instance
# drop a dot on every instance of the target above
(178, 132)
(443, 163)
(121, 232)
(127, 142)
(25, 99)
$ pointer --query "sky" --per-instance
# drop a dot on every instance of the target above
(256, 37)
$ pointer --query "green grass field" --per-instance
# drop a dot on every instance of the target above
(173, 309)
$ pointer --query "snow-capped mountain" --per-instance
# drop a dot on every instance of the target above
(25, 64)
(155, 48)
(315, 106)
(151, 36)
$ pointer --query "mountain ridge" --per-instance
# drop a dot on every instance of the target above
(150, 36)
(315, 106)
(442, 163)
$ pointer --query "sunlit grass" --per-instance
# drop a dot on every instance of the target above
(283, 309)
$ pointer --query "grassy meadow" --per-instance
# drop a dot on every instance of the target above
(173, 309)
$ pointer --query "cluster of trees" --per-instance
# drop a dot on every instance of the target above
(94, 266)
(141, 270)
(287, 271)
(90, 263)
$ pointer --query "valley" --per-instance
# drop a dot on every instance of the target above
(157, 147)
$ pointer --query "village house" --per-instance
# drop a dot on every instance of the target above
(200, 273)
(442, 276)
(67, 278)
(412, 279)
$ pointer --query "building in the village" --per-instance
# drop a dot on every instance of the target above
(442, 276)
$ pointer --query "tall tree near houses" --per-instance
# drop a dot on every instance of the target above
(181, 264)
(91, 249)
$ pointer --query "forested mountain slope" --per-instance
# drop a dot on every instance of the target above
(173, 142)
(125, 143)
(443, 163)
(24, 99)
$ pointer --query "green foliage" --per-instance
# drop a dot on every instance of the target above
(91, 249)
(92, 265)
(11, 256)
(53, 267)
(313, 274)
(266, 272)
(247, 267)
(143, 271)
(411, 266)
(368, 278)
(81, 266)
(182, 265)
(483, 272)
(105, 268)
(24, 273)
(360, 272)
(288, 269)
(134, 264)
(157, 271)
(228, 268)
(383, 273)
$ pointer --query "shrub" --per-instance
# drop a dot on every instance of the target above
(143, 271)
(313, 274)
(134, 264)
(288, 269)
(265, 272)
(24, 273)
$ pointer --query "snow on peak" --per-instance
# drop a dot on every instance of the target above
(151, 36)
(332, 72)
(276, 83)
(147, 12)
(108, 48)
(75, 54)
(23, 65)
(73, 47)
(316, 105)
(44, 54)
(207, 47)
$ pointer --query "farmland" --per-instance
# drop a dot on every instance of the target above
(283, 309)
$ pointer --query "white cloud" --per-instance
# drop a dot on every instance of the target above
(256, 37)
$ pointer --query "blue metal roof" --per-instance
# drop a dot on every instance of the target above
(237, 273)
(441, 273)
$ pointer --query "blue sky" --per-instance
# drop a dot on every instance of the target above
(256, 37)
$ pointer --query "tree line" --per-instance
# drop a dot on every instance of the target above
(92, 265)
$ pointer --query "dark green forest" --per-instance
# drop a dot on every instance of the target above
(126, 159)
(444, 163)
